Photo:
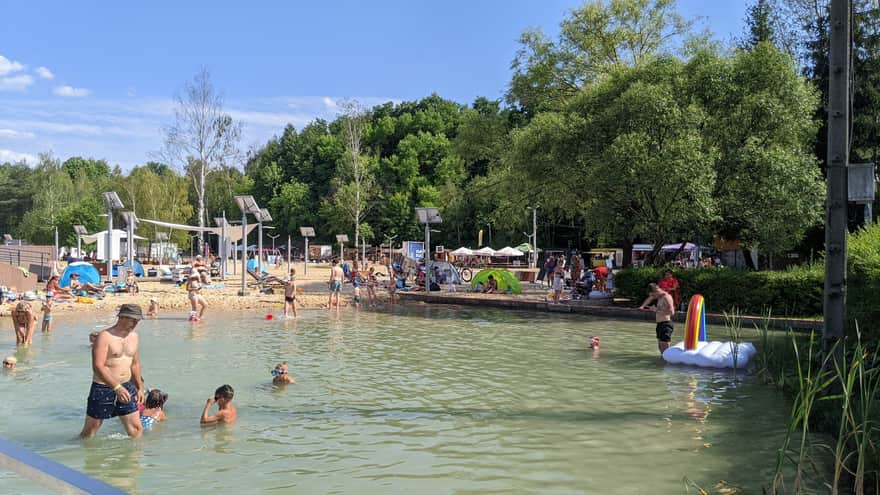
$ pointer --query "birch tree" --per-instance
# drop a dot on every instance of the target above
(354, 168)
(201, 138)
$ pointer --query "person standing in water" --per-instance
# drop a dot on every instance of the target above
(290, 293)
(196, 299)
(117, 388)
(336, 277)
(663, 313)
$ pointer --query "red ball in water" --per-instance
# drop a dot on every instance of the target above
(269, 317)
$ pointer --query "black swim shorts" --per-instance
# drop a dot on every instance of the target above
(664, 331)
(103, 404)
(290, 298)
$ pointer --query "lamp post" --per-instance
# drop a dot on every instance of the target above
(534, 255)
(307, 232)
(273, 237)
(80, 231)
(112, 201)
(162, 238)
(389, 239)
(342, 239)
(223, 246)
(262, 216)
(247, 204)
(428, 216)
(130, 223)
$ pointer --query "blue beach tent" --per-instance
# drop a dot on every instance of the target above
(138, 269)
(88, 274)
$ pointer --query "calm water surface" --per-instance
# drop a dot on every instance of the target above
(425, 400)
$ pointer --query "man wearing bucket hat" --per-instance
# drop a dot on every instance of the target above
(117, 388)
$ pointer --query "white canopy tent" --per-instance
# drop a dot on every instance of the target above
(116, 238)
(462, 251)
(485, 251)
(233, 233)
(509, 251)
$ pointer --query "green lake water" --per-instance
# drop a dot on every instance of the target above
(427, 400)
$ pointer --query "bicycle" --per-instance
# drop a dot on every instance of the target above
(464, 272)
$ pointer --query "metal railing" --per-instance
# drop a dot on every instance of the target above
(14, 255)
(54, 476)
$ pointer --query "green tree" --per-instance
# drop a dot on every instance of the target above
(592, 39)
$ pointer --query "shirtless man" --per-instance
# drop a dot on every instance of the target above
(226, 412)
(290, 292)
(663, 312)
(336, 276)
(117, 388)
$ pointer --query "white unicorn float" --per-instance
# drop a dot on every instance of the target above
(695, 351)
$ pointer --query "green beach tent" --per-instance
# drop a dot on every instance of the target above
(504, 278)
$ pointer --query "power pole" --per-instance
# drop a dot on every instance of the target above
(837, 161)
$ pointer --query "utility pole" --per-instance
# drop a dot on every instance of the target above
(837, 161)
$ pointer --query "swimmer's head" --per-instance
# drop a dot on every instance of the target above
(10, 362)
(594, 342)
(224, 392)
(93, 337)
(156, 398)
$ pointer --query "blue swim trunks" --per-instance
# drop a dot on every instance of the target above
(102, 403)
(335, 286)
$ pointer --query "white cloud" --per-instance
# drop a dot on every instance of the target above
(269, 119)
(9, 66)
(16, 83)
(71, 91)
(15, 157)
(13, 134)
(44, 72)
(329, 103)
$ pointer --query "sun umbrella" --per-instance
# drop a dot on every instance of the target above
(509, 251)
(505, 280)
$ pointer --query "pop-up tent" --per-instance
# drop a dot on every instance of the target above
(138, 269)
(88, 274)
(505, 280)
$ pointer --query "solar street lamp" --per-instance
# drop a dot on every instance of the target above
(341, 239)
(262, 216)
(428, 216)
(131, 221)
(112, 201)
(80, 231)
(247, 204)
(307, 232)
(224, 244)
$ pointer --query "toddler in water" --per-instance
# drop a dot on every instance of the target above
(47, 312)
(357, 293)
(280, 376)
(153, 411)
(153, 311)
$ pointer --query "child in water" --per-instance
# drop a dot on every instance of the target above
(280, 376)
(47, 312)
(357, 293)
(594, 343)
(153, 310)
(153, 411)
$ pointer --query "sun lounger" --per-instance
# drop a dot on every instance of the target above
(265, 281)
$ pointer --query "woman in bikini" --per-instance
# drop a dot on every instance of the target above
(196, 300)
(25, 322)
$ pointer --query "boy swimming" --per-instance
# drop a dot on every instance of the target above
(280, 376)
(226, 412)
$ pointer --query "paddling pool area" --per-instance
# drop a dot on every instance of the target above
(414, 399)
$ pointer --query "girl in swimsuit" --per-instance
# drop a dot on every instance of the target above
(153, 411)
(196, 300)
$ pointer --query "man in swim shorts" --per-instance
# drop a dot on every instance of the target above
(117, 388)
(290, 292)
(336, 276)
(663, 312)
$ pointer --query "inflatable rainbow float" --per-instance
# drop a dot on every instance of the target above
(694, 350)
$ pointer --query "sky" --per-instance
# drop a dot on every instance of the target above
(98, 79)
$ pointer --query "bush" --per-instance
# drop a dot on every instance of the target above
(794, 292)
